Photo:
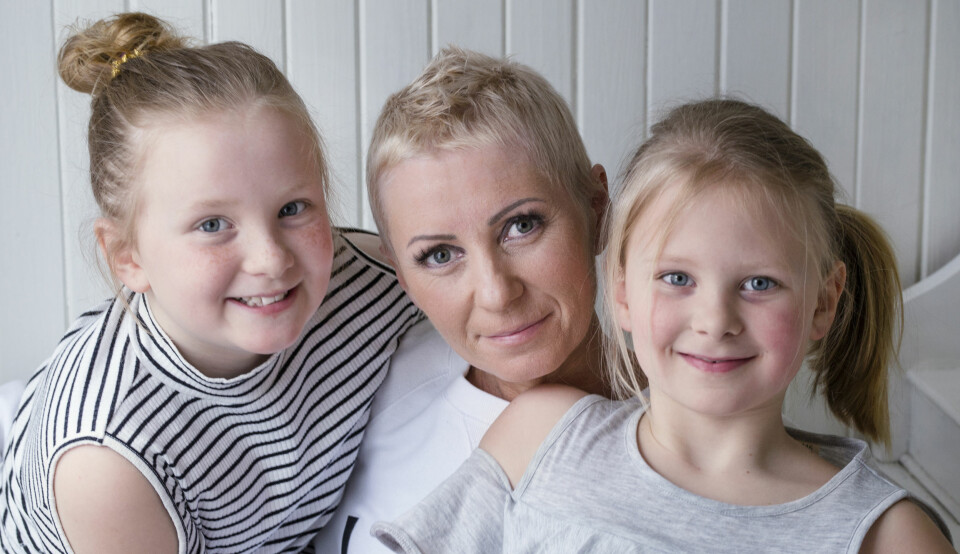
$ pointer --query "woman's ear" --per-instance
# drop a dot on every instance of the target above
(121, 256)
(827, 301)
(599, 204)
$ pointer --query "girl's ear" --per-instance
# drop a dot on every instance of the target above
(827, 301)
(622, 308)
(122, 258)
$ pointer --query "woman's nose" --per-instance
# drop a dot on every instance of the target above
(496, 284)
(266, 254)
(716, 315)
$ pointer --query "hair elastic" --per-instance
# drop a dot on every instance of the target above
(122, 60)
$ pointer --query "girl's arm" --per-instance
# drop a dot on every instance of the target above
(904, 527)
(106, 505)
(515, 436)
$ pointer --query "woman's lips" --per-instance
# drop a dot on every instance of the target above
(715, 365)
(518, 335)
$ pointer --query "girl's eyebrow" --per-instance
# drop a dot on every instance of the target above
(499, 215)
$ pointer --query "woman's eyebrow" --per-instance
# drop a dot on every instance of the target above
(499, 215)
(431, 237)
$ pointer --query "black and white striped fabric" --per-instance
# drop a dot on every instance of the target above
(256, 462)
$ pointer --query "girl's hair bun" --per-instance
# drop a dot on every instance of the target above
(87, 58)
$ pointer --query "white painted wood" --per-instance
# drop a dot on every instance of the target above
(755, 52)
(31, 240)
(86, 284)
(935, 431)
(473, 24)
(942, 185)
(322, 61)
(255, 22)
(611, 69)
(540, 34)
(682, 34)
(891, 123)
(825, 71)
(187, 16)
(394, 48)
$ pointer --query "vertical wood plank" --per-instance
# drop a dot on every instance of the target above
(683, 53)
(826, 48)
(30, 217)
(891, 127)
(394, 48)
(540, 34)
(322, 66)
(186, 16)
(257, 23)
(473, 24)
(85, 284)
(611, 66)
(755, 52)
(942, 190)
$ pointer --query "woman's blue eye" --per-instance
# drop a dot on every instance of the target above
(212, 225)
(523, 225)
(292, 208)
(441, 255)
(677, 279)
(759, 284)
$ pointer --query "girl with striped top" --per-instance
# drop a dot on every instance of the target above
(217, 403)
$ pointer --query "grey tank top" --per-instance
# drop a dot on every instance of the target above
(588, 489)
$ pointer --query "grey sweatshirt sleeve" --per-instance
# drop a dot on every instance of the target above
(464, 514)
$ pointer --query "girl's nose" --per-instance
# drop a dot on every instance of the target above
(716, 315)
(496, 285)
(267, 255)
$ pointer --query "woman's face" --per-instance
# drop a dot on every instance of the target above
(499, 259)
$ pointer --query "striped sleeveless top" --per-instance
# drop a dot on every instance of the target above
(256, 462)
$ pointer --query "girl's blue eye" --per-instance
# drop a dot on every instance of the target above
(292, 208)
(213, 225)
(677, 279)
(759, 284)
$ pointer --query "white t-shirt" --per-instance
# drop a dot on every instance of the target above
(425, 421)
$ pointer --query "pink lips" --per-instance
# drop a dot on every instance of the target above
(518, 335)
(715, 365)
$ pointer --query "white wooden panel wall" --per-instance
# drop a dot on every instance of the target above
(875, 84)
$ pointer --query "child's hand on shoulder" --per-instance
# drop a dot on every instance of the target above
(514, 438)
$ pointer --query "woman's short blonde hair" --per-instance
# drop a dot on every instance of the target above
(465, 99)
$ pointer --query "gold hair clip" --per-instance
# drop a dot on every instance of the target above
(123, 59)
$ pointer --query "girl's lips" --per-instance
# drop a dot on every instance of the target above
(271, 306)
(715, 365)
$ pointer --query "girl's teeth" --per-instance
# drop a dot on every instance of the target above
(260, 301)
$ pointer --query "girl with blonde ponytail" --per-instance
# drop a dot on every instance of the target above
(218, 402)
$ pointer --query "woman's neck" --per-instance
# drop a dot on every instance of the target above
(746, 459)
(583, 369)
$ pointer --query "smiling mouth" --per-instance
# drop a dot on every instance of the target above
(261, 301)
(518, 330)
